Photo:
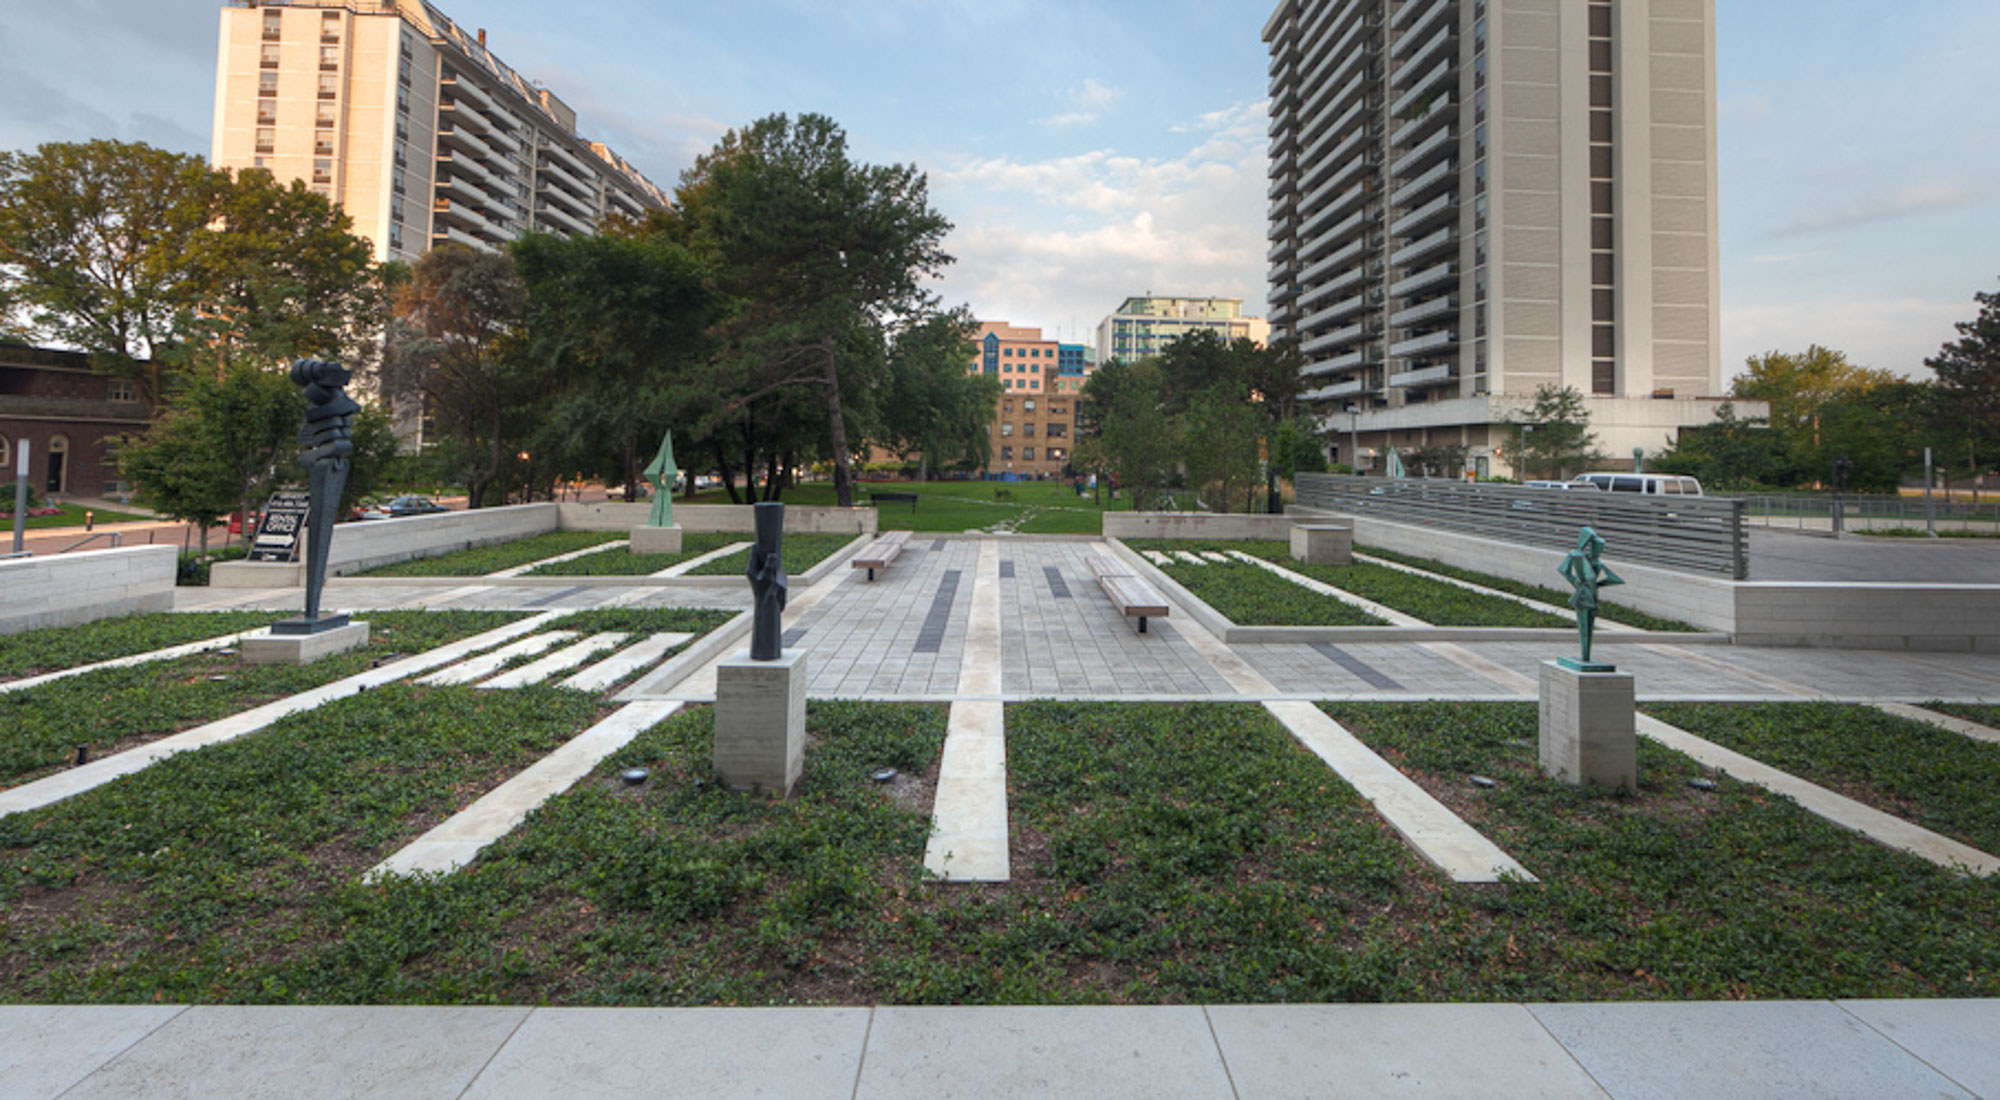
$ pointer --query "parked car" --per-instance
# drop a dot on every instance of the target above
(1650, 484)
(397, 507)
(1591, 486)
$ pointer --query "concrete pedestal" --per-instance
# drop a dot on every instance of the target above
(760, 722)
(1323, 543)
(656, 540)
(1586, 727)
(256, 574)
(302, 649)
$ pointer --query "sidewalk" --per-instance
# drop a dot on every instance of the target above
(1710, 1050)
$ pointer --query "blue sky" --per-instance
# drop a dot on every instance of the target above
(1089, 150)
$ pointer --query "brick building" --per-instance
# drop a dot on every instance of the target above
(1034, 424)
(70, 417)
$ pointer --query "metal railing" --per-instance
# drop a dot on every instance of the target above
(1684, 534)
(1814, 512)
(117, 539)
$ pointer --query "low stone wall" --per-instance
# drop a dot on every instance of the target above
(1198, 525)
(368, 544)
(619, 516)
(65, 589)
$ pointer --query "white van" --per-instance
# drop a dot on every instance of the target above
(1651, 484)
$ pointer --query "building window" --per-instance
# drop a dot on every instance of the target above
(120, 389)
(323, 146)
(274, 22)
(267, 112)
(268, 58)
(1058, 431)
(1028, 429)
(322, 170)
(1057, 454)
(1029, 404)
(1027, 454)
(267, 83)
(395, 235)
(329, 85)
(266, 139)
(58, 479)
(1006, 428)
(1006, 454)
(6, 459)
(325, 116)
(329, 57)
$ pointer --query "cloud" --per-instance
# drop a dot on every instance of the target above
(1087, 104)
(1915, 198)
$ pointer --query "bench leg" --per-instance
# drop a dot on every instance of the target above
(1142, 624)
(871, 574)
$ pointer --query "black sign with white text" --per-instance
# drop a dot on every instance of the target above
(283, 530)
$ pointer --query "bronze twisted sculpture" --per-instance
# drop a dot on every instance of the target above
(328, 436)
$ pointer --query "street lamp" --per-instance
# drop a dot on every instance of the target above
(1354, 437)
(1527, 471)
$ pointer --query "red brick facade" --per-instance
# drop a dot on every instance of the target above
(69, 415)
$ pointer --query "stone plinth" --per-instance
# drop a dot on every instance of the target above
(302, 649)
(1323, 543)
(760, 722)
(256, 574)
(1586, 727)
(647, 539)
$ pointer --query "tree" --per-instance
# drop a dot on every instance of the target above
(220, 447)
(1219, 437)
(93, 245)
(1732, 453)
(818, 257)
(934, 409)
(1135, 436)
(612, 327)
(449, 342)
(1553, 435)
(1801, 389)
(1968, 374)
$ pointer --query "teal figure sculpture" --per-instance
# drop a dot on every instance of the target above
(1583, 569)
(660, 475)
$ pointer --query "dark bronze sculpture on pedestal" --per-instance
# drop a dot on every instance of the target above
(328, 436)
(767, 584)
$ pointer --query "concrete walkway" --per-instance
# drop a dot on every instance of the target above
(978, 623)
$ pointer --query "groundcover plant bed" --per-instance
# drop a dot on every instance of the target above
(801, 553)
(1944, 781)
(59, 647)
(481, 560)
(1024, 507)
(643, 620)
(1984, 714)
(620, 561)
(1434, 602)
(1607, 609)
(118, 708)
(1673, 892)
(231, 873)
(1251, 596)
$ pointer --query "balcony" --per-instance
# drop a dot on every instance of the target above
(1422, 86)
(1342, 281)
(1339, 389)
(1426, 215)
(1424, 246)
(1443, 172)
(1417, 345)
(1429, 276)
(1423, 376)
(547, 213)
(1438, 144)
(1342, 335)
(1347, 361)
(1441, 110)
(1281, 249)
(1328, 263)
(1424, 311)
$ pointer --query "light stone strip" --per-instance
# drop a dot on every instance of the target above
(1386, 614)
(1190, 557)
(75, 781)
(1242, 678)
(1487, 669)
(1730, 668)
(562, 660)
(1942, 721)
(1156, 557)
(170, 653)
(1423, 822)
(1212, 555)
(969, 839)
(478, 668)
(700, 683)
(1537, 605)
(523, 570)
(694, 563)
(460, 838)
(625, 662)
(1882, 828)
(434, 599)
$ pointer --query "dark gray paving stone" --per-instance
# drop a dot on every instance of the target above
(1016, 1053)
(712, 1053)
(45, 1049)
(1753, 1049)
(1278, 1051)
(322, 1052)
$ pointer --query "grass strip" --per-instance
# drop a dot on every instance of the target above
(481, 560)
(1606, 608)
(1986, 714)
(230, 873)
(66, 515)
(1249, 596)
(59, 647)
(1026, 507)
(1435, 602)
(1671, 893)
(117, 708)
(620, 561)
(801, 553)
(1943, 781)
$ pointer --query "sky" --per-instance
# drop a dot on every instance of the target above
(1091, 150)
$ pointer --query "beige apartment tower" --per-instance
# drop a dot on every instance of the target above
(410, 124)
(1474, 198)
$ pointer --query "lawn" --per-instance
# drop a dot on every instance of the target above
(1162, 854)
(481, 560)
(1250, 596)
(801, 552)
(1024, 507)
(51, 649)
(67, 515)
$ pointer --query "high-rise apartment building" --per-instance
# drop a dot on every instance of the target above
(1474, 198)
(1145, 325)
(410, 124)
(1035, 418)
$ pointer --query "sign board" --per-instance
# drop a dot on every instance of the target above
(283, 531)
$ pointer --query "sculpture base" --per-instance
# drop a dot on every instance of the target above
(1587, 727)
(760, 723)
(647, 539)
(303, 649)
(309, 626)
(1575, 665)
(1323, 543)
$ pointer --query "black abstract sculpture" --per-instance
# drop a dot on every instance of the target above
(328, 439)
(767, 583)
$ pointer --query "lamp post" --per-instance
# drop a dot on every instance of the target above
(1354, 437)
(1527, 470)
(20, 494)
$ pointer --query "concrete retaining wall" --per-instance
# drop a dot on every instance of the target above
(371, 543)
(65, 589)
(619, 516)
(1198, 525)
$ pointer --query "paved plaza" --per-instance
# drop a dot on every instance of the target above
(978, 622)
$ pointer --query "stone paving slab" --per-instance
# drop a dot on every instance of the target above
(1012, 1053)
(1960, 1039)
(1726, 1050)
(46, 1049)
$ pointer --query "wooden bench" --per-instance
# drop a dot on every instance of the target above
(894, 497)
(1131, 595)
(878, 554)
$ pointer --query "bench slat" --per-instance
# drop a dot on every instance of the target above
(1135, 597)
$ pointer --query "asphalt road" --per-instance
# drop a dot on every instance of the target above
(1777, 555)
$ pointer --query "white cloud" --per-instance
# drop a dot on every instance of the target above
(1087, 104)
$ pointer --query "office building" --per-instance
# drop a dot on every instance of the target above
(1145, 325)
(1470, 199)
(1034, 421)
(410, 124)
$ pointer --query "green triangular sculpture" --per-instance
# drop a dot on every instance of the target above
(660, 475)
